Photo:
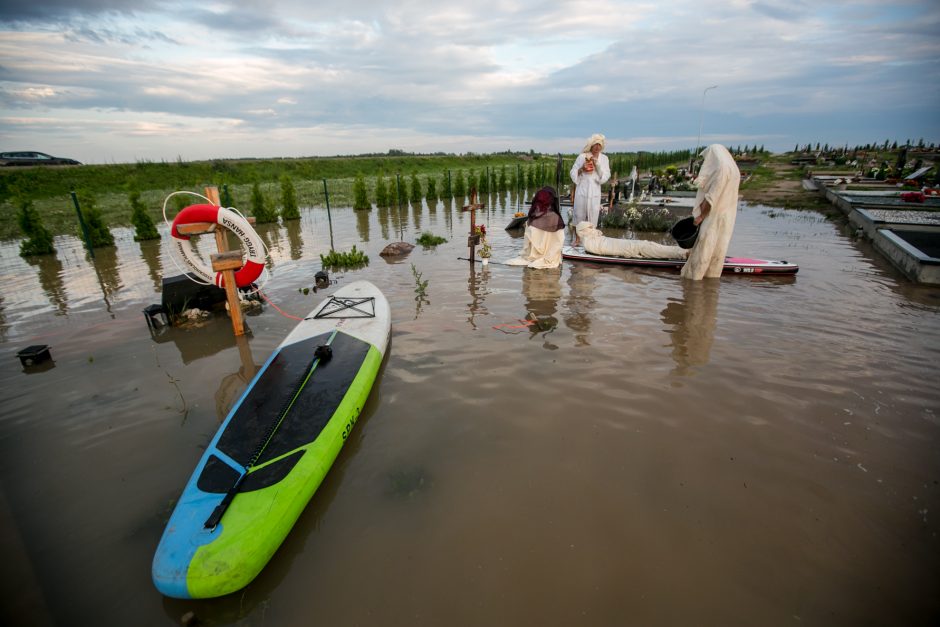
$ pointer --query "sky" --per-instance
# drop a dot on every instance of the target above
(121, 81)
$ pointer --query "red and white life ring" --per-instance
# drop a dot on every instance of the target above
(235, 223)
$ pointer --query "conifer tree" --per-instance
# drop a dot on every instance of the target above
(98, 231)
(260, 208)
(401, 191)
(289, 209)
(432, 190)
(38, 238)
(460, 189)
(360, 195)
(144, 228)
(415, 189)
(381, 191)
(447, 190)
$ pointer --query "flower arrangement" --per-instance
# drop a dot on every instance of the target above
(486, 250)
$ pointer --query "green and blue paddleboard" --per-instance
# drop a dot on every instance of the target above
(274, 448)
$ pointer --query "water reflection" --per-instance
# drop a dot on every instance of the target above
(384, 220)
(581, 282)
(416, 211)
(50, 272)
(363, 217)
(691, 324)
(198, 340)
(106, 269)
(150, 251)
(294, 239)
(542, 289)
(477, 284)
(232, 385)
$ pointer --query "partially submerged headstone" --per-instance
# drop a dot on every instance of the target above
(397, 248)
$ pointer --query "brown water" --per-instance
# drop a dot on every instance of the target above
(652, 452)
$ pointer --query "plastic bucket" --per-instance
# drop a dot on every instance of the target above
(685, 232)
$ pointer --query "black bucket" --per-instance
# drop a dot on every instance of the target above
(685, 232)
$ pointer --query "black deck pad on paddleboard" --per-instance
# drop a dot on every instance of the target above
(312, 409)
(218, 477)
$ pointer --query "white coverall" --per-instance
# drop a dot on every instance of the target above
(542, 249)
(718, 183)
(587, 195)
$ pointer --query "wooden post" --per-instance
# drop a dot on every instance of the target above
(473, 239)
(227, 263)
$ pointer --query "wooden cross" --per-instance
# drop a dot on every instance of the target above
(474, 238)
(224, 261)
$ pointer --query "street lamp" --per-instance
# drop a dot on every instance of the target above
(701, 117)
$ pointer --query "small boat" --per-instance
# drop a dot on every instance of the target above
(733, 265)
(274, 448)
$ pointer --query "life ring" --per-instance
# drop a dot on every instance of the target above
(254, 264)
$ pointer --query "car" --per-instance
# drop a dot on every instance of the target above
(33, 158)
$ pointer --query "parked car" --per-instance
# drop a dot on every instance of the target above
(33, 158)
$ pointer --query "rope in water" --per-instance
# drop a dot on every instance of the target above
(278, 309)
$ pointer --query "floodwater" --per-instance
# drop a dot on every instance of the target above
(759, 451)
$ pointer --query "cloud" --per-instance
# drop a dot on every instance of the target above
(423, 74)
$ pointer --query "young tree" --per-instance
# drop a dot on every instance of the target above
(460, 188)
(447, 190)
(144, 228)
(38, 238)
(432, 190)
(260, 208)
(401, 191)
(289, 209)
(381, 191)
(360, 195)
(415, 189)
(98, 231)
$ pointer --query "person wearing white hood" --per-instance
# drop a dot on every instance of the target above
(590, 170)
(716, 207)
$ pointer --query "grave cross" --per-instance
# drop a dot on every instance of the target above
(474, 238)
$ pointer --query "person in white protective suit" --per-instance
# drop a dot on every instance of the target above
(716, 207)
(597, 243)
(544, 232)
(590, 170)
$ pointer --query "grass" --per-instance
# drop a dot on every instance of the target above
(112, 184)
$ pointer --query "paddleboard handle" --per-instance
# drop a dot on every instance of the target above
(324, 353)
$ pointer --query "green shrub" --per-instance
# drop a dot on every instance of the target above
(98, 232)
(432, 190)
(289, 209)
(416, 194)
(353, 259)
(447, 191)
(260, 208)
(401, 193)
(144, 228)
(460, 189)
(428, 239)
(38, 238)
(381, 192)
(360, 196)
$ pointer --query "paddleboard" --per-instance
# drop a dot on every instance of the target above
(733, 265)
(274, 448)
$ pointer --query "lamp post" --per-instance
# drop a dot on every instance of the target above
(701, 117)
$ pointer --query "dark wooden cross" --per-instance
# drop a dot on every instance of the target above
(474, 238)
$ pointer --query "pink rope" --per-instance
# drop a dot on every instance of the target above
(268, 300)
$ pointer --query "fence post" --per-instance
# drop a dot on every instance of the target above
(81, 222)
(326, 194)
